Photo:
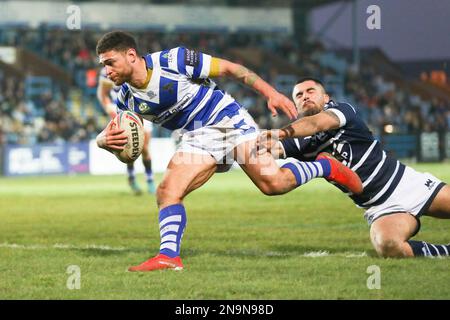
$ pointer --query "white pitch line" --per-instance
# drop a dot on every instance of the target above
(310, 254)
(322, 253)
(316, 254)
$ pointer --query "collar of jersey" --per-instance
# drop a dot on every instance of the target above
(147, 80)
(329, 104)
(149, 73)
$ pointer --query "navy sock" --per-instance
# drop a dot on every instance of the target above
(172, 223)
(424, 249)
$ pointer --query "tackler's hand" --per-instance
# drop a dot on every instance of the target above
(267, 140)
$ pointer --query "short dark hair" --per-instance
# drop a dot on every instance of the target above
(315, 80)
(310, 79)
(116, 40)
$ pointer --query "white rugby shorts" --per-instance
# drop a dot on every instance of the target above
(219, 140)
(413, 194)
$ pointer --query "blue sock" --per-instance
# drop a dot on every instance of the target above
(424, 249)
(130, 171)
(305, 171)
(172, 222)
(148, 169)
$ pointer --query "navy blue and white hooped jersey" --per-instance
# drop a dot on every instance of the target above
(354, 145)
(180, 93)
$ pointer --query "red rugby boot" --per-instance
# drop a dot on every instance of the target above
(161, 261)
(342, 175)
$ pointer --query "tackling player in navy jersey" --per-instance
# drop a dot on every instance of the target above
(107, 96)
(395, 196)
(174, 89)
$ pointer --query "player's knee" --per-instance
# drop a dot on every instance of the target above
(389, 248)
(145, 153)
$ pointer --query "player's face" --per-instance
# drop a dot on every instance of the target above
(118, 66)
(309, 97)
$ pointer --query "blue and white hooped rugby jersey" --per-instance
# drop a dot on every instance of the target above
(354, 145)
(179, 93)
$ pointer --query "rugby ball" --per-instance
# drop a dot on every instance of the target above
(134, 130)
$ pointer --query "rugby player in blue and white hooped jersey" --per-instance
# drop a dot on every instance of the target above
(173, 89)
(394, 197)
(107, 93)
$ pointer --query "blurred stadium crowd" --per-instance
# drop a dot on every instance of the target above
(388, 105)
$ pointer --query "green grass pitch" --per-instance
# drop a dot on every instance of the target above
(312, 243)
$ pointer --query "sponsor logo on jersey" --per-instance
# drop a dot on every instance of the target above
(168, 87)
(169, 58)
(143, 107)
(191, 58)
(342, 151)
(430, 184)
(151, 94)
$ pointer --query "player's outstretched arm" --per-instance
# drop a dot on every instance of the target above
(275, 100)
(103, 89)
(307, 126)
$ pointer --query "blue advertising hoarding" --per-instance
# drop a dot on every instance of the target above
(78, 157)
(46, 159)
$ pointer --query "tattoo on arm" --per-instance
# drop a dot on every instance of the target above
(333, 115)
(247, 76)
(288, 131)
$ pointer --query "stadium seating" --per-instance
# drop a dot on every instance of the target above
(378, 88)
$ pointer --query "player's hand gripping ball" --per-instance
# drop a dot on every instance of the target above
(134, 130)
